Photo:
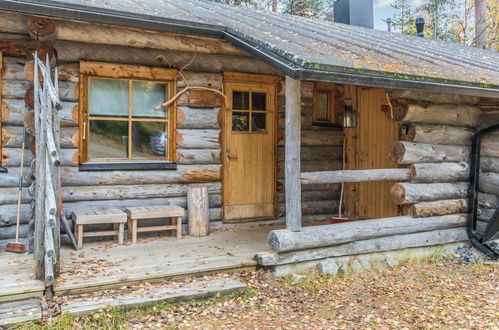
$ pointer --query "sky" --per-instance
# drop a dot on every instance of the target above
(382, 10)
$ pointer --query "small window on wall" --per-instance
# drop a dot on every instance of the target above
(323, 109)
(120, 122)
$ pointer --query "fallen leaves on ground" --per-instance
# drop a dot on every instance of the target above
(430, 294)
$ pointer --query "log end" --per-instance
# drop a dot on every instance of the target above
(273, 241)
(202, 176)
(398, 193)
(398, 152)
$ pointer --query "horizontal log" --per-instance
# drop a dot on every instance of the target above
(13, 68)
(69, 51)
(411, 193)
(69, 72)
(8, 214)
(313, 195)
(488, 201)
(11, 157)
(389, 243)
(12, 137)
(433, 97)
(488, 119)
(14, 23)
(198, 156)
(489, 164)
(10, 232)
(489, 183)
(439, 172)
(211, 80)
(404, 152)
(397, 174)
(313, 207)
(198, 139)
(120, 192)
(485, 214)
(193, 118)
(490, 146)
(9, 195)
(132, 37)
(443, 114)
(15, 89)
(27, 48)
(71, 176)
(285, 240)
(320, 165)
(11, 178)
(315, 153)
(320, 138)
(13, 112)
(435, 208)
(438, 134)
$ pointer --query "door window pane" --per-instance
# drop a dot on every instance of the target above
(258, 122)
(240, 100)
(322, 113)
(146, 96)
(258, 101)
(108, 97)
(240, 121)
(149, 140)
(108, 139)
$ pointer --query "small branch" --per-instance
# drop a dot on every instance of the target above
(174, 98)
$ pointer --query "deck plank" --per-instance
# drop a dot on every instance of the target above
(15, 312)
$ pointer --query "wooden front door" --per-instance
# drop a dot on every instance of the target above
(376, 134)
(249, 148)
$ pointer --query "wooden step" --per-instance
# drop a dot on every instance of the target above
(195, 290)
(14, 312)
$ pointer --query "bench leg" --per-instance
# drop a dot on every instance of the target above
(179, 227)
(79, 229)
(121, 233)
(134, 231)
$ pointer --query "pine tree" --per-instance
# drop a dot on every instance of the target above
(403, 17)
(439, 18)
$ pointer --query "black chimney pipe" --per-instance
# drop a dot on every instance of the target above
(420, 26)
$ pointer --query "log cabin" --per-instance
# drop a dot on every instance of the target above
(291, 124)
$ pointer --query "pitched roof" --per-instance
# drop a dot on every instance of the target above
(303, 48)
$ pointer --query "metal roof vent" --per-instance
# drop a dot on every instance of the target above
(354, 12)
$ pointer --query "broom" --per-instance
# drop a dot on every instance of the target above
(17, 247)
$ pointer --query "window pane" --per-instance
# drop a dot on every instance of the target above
(108, 139)
(240, 121)
(108, 97)
(240, 100)
(149, 140)
(146, 96)
(258, 101)
(258, 122)
(322, 111)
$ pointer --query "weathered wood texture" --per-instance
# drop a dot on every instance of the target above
(439, 172)
(285, 240)
(410, 193)
(405, 152)
(395, 242)
(197, 206)
(399, 174)
(444, 114)
(433, 97)
(489, 183)
(438, 134)
(442, 207)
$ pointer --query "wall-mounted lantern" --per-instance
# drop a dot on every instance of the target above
(349, 117)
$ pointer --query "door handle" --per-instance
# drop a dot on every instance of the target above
(229, 154)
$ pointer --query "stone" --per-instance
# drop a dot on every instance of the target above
(328, 266)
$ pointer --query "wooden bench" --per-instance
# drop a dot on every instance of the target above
(94, 217)
(154, 212)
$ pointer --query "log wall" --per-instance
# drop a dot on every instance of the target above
(436, 148)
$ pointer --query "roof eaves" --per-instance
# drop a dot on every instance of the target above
(112, 17)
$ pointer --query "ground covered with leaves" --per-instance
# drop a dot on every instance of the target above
(428, 294)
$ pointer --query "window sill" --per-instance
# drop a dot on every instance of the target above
(3, 170)
(127, 166)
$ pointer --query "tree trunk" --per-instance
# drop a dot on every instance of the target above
(285, 240)
(197, 206)
(480, 24)
(398, 174)
(413, 153)
(439, 172)
(431, 209)
(444, 114)
(411, 193)
(438, 134)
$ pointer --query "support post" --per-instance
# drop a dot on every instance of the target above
(292, 154)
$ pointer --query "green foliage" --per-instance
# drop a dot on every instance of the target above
(403, 17)
(309, 8)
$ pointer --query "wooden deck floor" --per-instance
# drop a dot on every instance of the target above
(17, 276)
(104, 265)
